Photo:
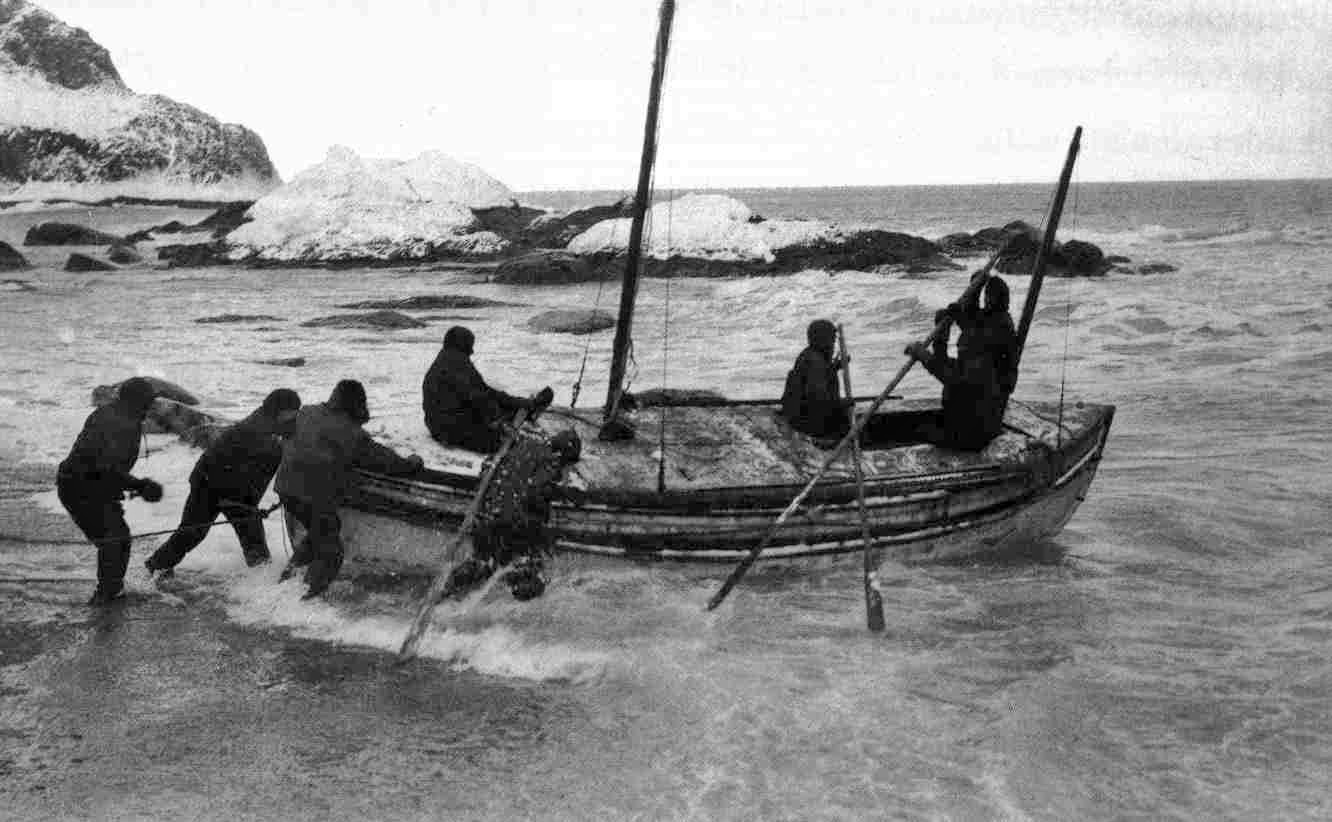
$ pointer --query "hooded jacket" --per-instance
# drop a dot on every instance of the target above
(108, 446)
(241, 462)
(456, 399)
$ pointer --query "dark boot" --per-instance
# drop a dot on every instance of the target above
(526, 581)
(106, 592)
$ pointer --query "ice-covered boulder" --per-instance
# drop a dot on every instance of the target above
(706, 227)
(350, 209)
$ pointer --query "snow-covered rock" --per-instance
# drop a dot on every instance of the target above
(69, 127)
(707, 227)
(351, 209)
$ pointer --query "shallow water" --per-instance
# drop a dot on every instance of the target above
(1164, 659)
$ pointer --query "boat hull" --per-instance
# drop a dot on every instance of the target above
(989, 506)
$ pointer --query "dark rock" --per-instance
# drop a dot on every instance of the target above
(545, 267)
(66, 234)
(104, 394)
(861, 250)
(1018, 255)
(10, 259)
(1155, 268)
(226, 219)
(510, 221)
(1083, 258)
(82, 262)
(428, 302)
(173, 227)
(288, 362)
(1117, 259)
(386, 320)
(167, 416)
(756, 219)
(193, 255)
(123, 253)
(18, 285)
(555, 231)
(572, 321)
(237, 318)
(963, 244)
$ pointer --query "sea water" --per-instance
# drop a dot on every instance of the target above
(1165, 658)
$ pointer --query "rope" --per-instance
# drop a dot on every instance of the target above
(587, 343)
(257, 513)
(1068, 314)
(665, 359)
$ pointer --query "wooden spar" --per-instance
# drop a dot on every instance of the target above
(629, 288)
(439, 586)
(1047, 244)
(873, 599)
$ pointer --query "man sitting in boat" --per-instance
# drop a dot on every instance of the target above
(511, 525)
(994, 326)
(812, 402)
(316, 474)
(460, 409)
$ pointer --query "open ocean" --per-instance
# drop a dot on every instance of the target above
(1167, 658)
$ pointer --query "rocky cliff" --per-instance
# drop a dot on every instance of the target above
(69, 126)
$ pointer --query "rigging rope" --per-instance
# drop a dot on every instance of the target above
(665, 356)
(587, 343)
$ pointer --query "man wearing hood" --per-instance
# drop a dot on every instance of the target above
(812, 402)
(94, 478)
(460, 409)
(230, 478)
(318, 470)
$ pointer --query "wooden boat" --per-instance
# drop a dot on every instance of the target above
(729, 469)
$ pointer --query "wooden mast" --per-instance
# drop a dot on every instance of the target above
(629, 287)
(1047, 244)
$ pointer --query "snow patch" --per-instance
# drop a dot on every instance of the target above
(348, 207)
(27, 100)
(705, 226)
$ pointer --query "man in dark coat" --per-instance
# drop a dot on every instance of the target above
(460, 409)
(812, 401)
(95, 476)
(230, 478)
(318, 470)
(974, 397)
(512, 524)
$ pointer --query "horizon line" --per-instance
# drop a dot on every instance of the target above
(659, 189)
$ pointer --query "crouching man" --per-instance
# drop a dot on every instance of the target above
(512, 524)
(318, 470)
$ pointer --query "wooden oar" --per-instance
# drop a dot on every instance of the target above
(873, 599)
(973, 289)
(438, 587)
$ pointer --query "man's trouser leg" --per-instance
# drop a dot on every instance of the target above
(102, 521)
(245, 519)
(326, 544)
(195, 520)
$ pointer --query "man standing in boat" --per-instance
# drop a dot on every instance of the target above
(460, 408)
(95, 477)
(316, 474)
(230, 478)
(812, 401)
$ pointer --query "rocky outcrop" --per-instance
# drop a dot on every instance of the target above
(238, 318)
(285, 362)
(572, 321)
(84, 263)
(546, 267)
(10, 259)
(193, 255)
(379, 320)
(428, 302)
(82, 130)
(66, 234)
(103, 394)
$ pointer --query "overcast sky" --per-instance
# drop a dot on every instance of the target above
(551, 93)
